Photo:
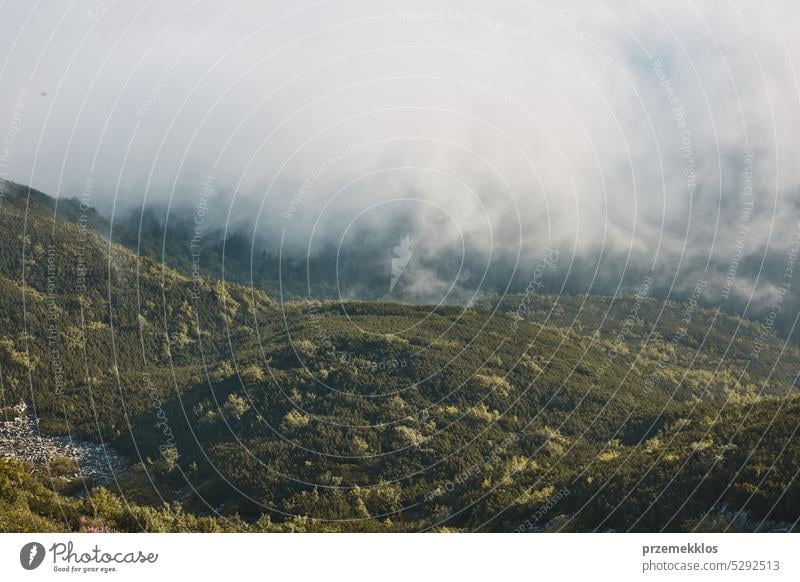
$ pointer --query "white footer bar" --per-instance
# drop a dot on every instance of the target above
(390, 557)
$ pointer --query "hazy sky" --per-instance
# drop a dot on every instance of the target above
(636, 126)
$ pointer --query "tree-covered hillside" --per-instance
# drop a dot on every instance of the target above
(241, 412)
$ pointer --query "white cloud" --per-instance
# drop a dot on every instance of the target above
(529, 121)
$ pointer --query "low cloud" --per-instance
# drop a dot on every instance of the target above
(633, 132)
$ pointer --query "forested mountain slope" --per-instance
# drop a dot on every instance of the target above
(522, 413)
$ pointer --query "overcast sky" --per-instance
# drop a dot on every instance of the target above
(636, 126)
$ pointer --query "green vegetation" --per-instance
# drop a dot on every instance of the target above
(242, 414)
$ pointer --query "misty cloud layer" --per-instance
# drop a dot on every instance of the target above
(657, 136)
